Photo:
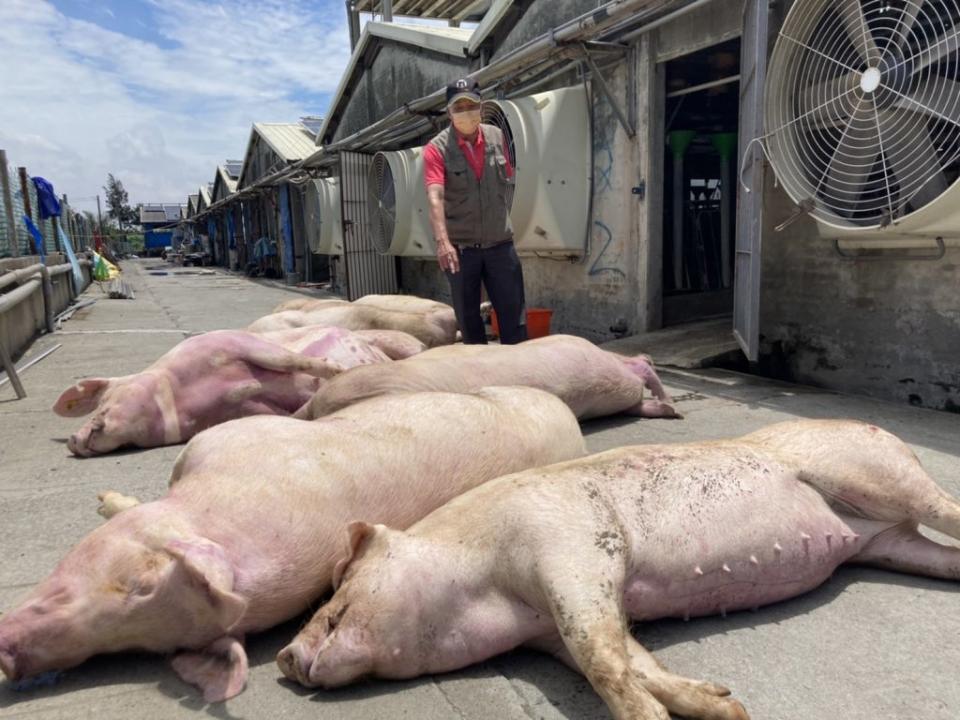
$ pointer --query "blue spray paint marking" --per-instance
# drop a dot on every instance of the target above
(594, 270)
(604, 181)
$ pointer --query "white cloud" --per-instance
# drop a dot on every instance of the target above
(78, 101)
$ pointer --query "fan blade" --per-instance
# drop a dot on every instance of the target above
(831, 94)
(946, 44)
(846, 175)
(855, 25)
(938, 97)
(908, 18)
(913, 160)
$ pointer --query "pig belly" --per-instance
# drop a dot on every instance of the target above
(798, 556)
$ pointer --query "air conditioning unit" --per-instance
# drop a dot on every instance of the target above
(548, 137)
(862, 110)
(397, 205)
(322, 216)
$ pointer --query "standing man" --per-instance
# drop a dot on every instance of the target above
(469, 182)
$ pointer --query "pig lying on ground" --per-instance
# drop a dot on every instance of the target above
(211, 378)
(593, 382)
(394, 344)
(436, 327)
(397, 303)
(557, 558)
(239, 545)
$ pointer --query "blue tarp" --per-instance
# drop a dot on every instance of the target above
(37, 238)
(289, 264)
(68, 246)
(46, 199)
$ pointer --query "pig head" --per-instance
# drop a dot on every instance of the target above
(203, 381)
(139, 581)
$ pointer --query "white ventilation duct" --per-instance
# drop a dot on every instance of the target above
(863, 116)
(322, 216)
(548, 135)
(397, 205)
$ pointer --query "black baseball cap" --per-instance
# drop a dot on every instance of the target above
(464, 88)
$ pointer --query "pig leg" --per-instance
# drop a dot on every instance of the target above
(654, 409)
(112, 503)
(903, 549)
(279, 359)
(220, 669)
(590, 618)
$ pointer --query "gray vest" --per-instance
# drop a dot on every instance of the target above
(476, 211)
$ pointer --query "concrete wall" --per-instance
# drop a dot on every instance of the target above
(887, 328)
(399, 73)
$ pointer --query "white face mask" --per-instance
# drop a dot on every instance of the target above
(467, 121)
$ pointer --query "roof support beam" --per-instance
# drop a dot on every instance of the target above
(386, 7)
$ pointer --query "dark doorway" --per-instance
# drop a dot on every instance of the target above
(701, 107)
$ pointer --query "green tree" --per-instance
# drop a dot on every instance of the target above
(118, 204)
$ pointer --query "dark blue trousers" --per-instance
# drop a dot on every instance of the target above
(499, 269)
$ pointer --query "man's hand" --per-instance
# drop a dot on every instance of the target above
(448, 257)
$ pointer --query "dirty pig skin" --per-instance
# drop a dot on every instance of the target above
(593, 382)
(559, 558)
(239, 545)
(214, 377)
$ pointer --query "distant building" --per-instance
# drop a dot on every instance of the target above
(158, 222)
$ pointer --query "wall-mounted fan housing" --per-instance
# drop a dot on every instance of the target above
(322, 216)
(397, 205)
(863, 115)
(548, 135)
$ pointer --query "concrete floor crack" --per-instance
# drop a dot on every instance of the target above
(448, 700)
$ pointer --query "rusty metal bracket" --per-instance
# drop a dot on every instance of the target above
(899, 254)
(605, 89)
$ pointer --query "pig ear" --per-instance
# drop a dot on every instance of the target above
(357, 534)
(220, 669)
(208, 567)
(82, 398)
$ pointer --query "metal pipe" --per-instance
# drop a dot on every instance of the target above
(643, 30)
(705, 86)
(47, 287)
(18, 276)
(386, 8)
(18, 295)
(33, 361)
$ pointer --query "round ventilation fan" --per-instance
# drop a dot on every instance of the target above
(397, 204)
(863, 109)
(322, 216)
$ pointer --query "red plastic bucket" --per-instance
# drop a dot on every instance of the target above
(538, 322)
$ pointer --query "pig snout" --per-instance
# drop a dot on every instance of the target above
(332, 660)
(8, 661)
(80, 442)
(295, 661)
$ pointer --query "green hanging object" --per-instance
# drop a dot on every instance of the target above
(101, 272)
(724, 143)
(680, 140)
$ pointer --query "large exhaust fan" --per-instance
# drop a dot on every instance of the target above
(322, 216)
(548, 136)
(397, 205)
(863, 115)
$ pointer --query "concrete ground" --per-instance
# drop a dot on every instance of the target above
(866, 645)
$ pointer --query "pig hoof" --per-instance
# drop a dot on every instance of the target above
(112, 502)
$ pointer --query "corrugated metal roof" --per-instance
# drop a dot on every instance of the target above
(229, 182)
(159, 213)
(288, 140)
(204, 193)
(440, 9)
(451, 41)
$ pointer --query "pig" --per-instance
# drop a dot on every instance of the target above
(238, 544)
(394, 344)
(436, 327)
(593, 382)
(400, 303)
(558, 558)
(208, 379)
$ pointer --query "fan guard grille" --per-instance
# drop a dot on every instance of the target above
(863, 107)
(382, 203)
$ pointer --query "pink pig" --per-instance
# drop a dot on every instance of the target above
(592, 381)
(210, 378)
(560, 558)
(239, 545)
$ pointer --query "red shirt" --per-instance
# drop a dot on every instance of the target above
(435, 171)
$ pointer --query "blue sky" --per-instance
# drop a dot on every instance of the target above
(157, 92)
